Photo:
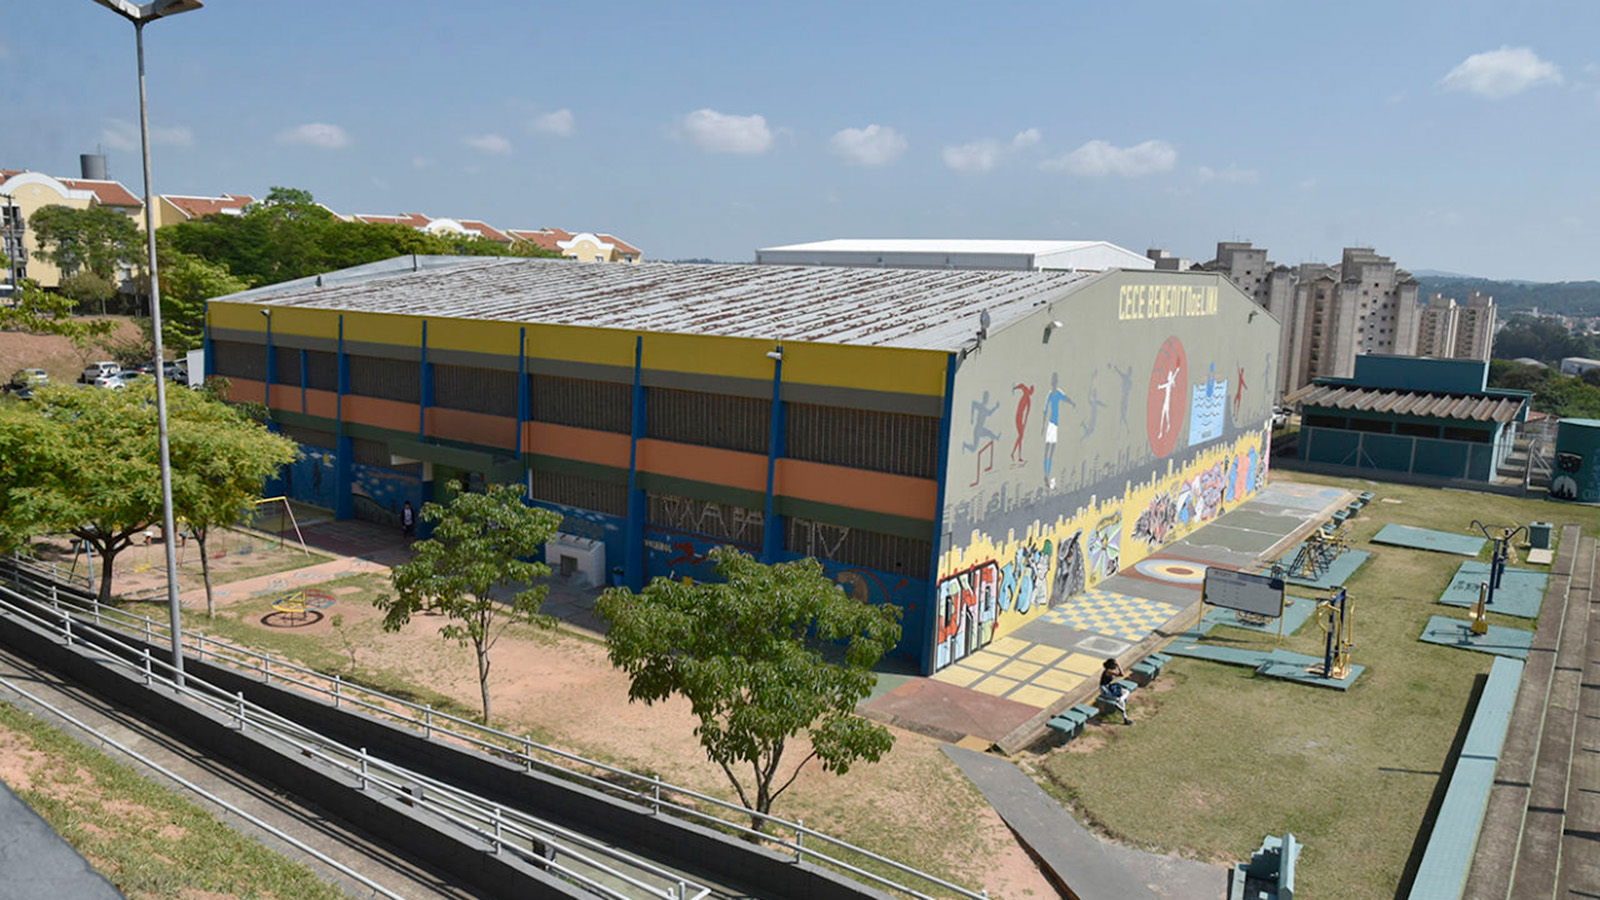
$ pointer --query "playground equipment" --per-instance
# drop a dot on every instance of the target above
(1319, 551)
(1502, 535)
(1334, 616)
(264, 510)
(299, 607)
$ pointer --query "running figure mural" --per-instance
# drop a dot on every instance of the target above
(983, 437)
(1166, 401)
(1127, 391)
(1024, 408)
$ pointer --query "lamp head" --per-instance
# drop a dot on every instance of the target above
(145, 12)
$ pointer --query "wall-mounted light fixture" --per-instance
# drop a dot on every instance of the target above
(775, 354)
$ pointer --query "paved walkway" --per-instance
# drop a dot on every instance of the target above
(1004, 691)
(1080, 864)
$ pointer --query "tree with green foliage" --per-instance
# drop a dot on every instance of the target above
(220, 459)
(98, 239)
(187, 282)
(480, 549)
(83, 461)
(287, 236)
(765, 656)
(37, 311)
(1539, 337)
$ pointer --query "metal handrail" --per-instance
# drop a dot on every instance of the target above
(452, 803)
(522, 747)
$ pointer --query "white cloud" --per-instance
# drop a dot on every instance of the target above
(560, 123)
(874, 145)
(978, 156)
(1097, 158)
(120, 135)
(488, 143)
(315, 134)
(716, 132)
(981, 156)
(1233, 174)
(1501, 73)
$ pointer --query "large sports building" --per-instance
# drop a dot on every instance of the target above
(973, 446)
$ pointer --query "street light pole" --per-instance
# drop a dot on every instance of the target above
(139, 14)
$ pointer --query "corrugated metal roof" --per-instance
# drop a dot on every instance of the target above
(1471, 407)
(919, 309)
(937, 245)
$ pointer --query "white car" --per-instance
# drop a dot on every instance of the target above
(98, 370)
(110, 382)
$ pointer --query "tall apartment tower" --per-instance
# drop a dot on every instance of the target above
(1270, 286)
(1448, 330)
(1364, 305)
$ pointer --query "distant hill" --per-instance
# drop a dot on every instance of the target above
(1568, 297)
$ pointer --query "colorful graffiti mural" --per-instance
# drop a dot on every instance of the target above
(380, 492)
(993, 585)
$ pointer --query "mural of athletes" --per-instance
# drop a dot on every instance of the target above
(1086, 490)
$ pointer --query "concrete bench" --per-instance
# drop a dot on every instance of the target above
(1448, 858)
(1071, 721)
(1270, 873)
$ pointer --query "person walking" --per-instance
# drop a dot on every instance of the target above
(408, 521)
(1112, 692)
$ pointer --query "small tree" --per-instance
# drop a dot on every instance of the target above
(771, 653)
(36, 311)
(220, 458)
(480, 546)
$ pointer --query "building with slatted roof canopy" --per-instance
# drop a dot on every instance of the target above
(1435, 418)
(974, 446)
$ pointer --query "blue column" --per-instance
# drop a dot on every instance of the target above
(272, 374)
(524, 409)
(634, 566)
(305, 377)
(344, 499)
(930, 600)
(772, 523)
(426, 399)
(210, 359)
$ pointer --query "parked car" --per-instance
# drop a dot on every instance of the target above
(98, 370)
(1280, 417)
(132, 376)
(27, 378)
(110, 382)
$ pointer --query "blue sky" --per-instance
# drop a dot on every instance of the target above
(1450, 135)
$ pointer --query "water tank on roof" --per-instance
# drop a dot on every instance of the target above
(93, 166)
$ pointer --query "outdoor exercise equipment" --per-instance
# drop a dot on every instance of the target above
(1502, 535)
(1319, 551)
(1334, 615)
(1480, 611)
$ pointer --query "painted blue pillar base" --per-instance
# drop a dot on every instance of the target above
(344, 496)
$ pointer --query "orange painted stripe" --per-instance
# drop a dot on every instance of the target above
(285, 396)
(712, 465)
(472, 427)
(245, 390)
(394, 415)
(607, 448)
(322, 403)
(897, 495)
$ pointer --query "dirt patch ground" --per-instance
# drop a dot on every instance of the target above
(914, 805)
(55, 355)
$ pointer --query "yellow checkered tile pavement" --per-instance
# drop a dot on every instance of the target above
(1121, 616)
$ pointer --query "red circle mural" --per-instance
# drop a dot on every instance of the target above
(1167, 404)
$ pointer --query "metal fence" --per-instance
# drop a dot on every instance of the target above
(806, 844)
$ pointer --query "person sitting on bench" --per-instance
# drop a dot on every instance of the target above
(1113, 693)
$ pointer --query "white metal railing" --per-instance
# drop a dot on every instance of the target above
(566, 853)
(660, 796)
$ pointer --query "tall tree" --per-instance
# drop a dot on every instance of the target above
(767, 655)
(98, 239)
(479, 550)
(88, 469)
(220, 459)
(187, 282)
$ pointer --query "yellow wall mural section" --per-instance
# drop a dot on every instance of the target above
(994, 584)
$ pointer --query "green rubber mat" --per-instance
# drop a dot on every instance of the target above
(1296, 667)
(1501, 641)
(1428, 539)
(1520, 594)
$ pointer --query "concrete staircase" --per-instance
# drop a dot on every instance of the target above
(1541, 834)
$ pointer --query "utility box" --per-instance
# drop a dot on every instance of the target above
(1539, 535)
(578, 559)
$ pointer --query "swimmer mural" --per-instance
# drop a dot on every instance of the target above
(1089, 492)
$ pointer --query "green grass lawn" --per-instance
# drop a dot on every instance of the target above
(148, 841)
(1220, 758)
